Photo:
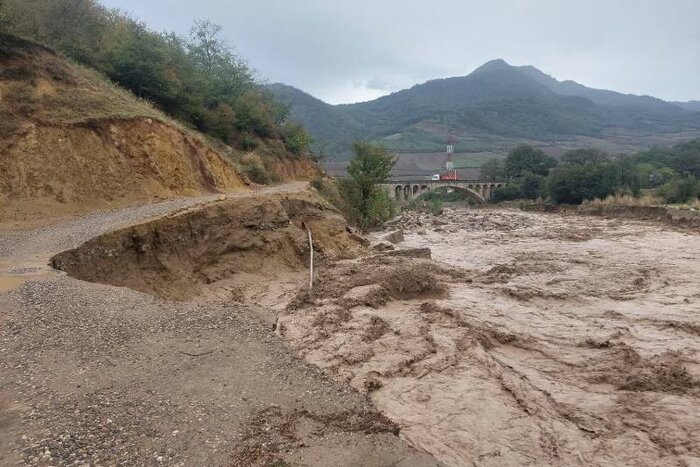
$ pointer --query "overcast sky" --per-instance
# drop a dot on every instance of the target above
(353, 50)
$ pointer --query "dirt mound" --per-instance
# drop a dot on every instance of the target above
(406, 282)
(72, 142)
(376, 280)
(624, 368)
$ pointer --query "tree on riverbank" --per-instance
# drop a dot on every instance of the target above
(368, 204)
(525, 158)
(587, 174)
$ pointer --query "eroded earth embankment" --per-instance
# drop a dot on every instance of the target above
(93, 374)
(222, 251)
(528, 339)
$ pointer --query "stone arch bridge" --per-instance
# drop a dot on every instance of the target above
(405, 190)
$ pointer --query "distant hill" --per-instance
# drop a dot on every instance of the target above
(692, 105)
(492, 109)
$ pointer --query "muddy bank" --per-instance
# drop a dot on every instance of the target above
(682, 218)
(670, 216)
(544, 339)
(220, 250)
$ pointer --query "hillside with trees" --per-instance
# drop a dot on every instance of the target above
(197, 79)
(495, 108)
(97, 110)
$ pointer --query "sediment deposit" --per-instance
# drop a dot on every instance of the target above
(543, 339)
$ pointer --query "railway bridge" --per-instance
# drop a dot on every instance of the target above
(405, 190)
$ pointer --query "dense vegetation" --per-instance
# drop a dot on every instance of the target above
(513, 103)
(670, 174)
(197, 79)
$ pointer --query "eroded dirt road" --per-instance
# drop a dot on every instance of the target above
(93, 374)
(564, 340)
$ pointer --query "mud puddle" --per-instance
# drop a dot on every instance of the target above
(533, 339)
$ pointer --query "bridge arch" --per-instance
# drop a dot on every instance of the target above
(404, 191)
(474, 195)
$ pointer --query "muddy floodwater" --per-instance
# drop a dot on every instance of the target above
(552, 340)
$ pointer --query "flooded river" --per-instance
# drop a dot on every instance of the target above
(549, 339)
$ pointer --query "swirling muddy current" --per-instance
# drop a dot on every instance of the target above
(528, 339)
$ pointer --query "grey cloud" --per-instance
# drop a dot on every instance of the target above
(326, 46)
(380, 84)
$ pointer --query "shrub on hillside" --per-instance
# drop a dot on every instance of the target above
(296, 139)
(253, 114)
(257, 173)
(329, 190)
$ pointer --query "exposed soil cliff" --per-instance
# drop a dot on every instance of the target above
(224, 249)
(71, 141)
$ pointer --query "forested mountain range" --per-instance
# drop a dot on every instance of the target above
(492, 109)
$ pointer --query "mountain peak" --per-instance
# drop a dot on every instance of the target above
(493, 65)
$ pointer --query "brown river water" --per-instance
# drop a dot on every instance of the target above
(553, 340)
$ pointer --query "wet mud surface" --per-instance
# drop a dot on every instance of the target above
(530, 339)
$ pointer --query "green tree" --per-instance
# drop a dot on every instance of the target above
(652, 176)
(680, 189)
(531, 185)
(137, 61)
(584, 156)
(507, 192)
(525, 158)
(493, 170)
(206, 47)
(371, 166)
(572, 184)
(683, 157)
(254, 114)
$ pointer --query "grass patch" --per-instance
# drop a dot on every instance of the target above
(625, 200)
(96, 97)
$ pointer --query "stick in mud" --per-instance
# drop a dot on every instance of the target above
(311, 258)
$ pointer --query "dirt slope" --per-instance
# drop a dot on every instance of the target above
(72, 142)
